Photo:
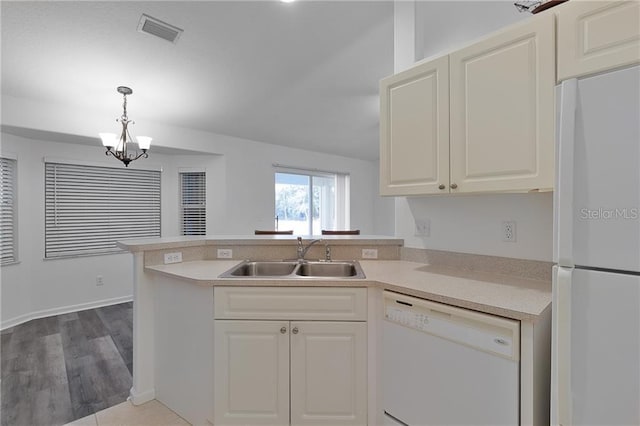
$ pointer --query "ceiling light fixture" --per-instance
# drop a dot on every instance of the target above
(536, 6)
(287, 1)
(117, 146)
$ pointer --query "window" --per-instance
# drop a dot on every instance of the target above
(308, 202)
(8, 217)
(193, 203)
(89, 208)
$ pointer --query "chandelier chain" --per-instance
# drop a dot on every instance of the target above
(124, 108)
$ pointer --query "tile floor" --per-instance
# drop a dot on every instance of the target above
(152, 413)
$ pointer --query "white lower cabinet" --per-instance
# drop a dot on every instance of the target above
(251, 370)
(281, 372)
(328, 373)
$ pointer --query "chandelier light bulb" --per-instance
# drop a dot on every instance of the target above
(144, 142)
(108, 139)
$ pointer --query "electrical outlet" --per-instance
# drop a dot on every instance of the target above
(173, 257)
(509, 231)
(423, 228)
(369, 253)
(225, 254)
(99, 280)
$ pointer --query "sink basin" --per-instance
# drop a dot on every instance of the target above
(263, 269)
(327, 269)
(295, 270)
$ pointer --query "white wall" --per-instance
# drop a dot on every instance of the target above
(472, 224)
(446, 25)
(240, 187)
(36, 285)
(39, 287)
(245, 192)
(240, 198)
(384, 208)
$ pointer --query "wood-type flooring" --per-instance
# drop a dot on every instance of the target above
(65, 367)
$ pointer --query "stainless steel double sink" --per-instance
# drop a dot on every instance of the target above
(295, 270)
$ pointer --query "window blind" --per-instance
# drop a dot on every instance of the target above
(88, 208)
(8, 228)
(193, 217)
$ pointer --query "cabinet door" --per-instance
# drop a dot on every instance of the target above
(595, 36)
(251, 372)
(502, 110)
(414, 130)
(328, 373)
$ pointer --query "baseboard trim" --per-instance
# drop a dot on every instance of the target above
(12, 322)
(142, 397)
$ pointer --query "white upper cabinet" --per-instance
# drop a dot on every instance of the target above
(502, 110)
(414, 130)
(595, 36)
(478, 120)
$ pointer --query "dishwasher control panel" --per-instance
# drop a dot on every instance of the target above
(484, 332)
(407, 317)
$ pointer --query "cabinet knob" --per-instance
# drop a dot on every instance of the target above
(283, 330)
(295, 330)
(453, 185)
(441, 186)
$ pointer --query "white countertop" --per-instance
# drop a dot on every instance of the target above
(136, 245)
(511, 297)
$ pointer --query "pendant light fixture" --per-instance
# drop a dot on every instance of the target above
(118, 145)
(536, 6)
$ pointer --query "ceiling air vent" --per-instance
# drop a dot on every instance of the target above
(158, 28)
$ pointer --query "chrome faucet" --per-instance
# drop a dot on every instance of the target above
(302, 250)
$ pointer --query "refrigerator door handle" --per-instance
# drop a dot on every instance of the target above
(565, 168)
(561, 399)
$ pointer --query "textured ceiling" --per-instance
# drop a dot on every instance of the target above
(303, 74)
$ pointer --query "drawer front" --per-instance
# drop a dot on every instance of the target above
(291, 303)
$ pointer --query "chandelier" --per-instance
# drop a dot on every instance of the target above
(536, 6)
(118, 145)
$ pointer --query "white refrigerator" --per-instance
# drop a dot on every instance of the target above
(596, 282)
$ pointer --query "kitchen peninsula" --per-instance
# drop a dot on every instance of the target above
(177, 306)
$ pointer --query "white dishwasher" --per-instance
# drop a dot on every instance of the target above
(448, 366)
